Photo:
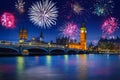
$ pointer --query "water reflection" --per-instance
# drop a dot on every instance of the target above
(37, 59)
(65, 67)
(108, 56)
(66, 59)
(41, 73)
(20, 67)
(48, 60)
(77, 58)
(83, 67)
(66, 62)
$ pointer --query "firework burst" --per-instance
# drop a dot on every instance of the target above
(43, 13)
(109, 26)
(77, 8)
(20, 6)
(74, 10)
(8, 20)
(103, 7)
(71, 30)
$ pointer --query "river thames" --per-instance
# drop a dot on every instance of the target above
(62, 67)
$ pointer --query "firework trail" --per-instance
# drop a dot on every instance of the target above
(43, 13)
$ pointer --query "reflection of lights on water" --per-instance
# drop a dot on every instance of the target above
(77, 58)
(91, 54)
(36, 59)
(83, 57)
(41, 73)
(66, 59)
(20, 66)
(83, 67)
(20, 63)
(48, 60)
(108, 56)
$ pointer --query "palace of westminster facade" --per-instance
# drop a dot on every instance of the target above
(23, 37)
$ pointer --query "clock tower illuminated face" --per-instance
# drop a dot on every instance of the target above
(83, 33)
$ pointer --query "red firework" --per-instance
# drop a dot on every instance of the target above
(8, 20)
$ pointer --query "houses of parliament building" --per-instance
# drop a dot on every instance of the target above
(73, 43)
(23, 36)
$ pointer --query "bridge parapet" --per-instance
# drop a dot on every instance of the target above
(49, 49)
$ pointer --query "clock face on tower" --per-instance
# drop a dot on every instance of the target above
(82, 31)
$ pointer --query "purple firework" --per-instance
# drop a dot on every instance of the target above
(71, 30)
(109, 26)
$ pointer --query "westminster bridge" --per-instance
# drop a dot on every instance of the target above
(41, 49)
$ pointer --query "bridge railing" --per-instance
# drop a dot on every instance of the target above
(27, 45)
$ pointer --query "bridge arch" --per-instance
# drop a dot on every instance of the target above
(81, 51)
(34, 50)
(57, 51)
(9, 50)
(72, 51)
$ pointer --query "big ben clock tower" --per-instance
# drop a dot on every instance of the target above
(82, 45)
(83, 32)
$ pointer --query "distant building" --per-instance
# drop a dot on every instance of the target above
(37, 40)
(23, 35)
(62, 40)
(90, 47)
(109, 44)
(41, 37)
(82, 44)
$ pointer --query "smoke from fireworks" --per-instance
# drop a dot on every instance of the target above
(71, 30)
(8, 20)
(20, 6)
(43, 13)
(109, 26)
(103, 7)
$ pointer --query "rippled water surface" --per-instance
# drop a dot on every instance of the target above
(65, 67)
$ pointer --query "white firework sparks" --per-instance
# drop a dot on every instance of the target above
(20, 6)
(43, 13)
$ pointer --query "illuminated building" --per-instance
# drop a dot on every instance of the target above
(23, 35)
(109, 44)
(82, 44)
(37, 40)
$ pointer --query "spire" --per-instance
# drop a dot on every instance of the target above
(41, 34)
(83, 27)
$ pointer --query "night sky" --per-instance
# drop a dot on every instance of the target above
(65, 14)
